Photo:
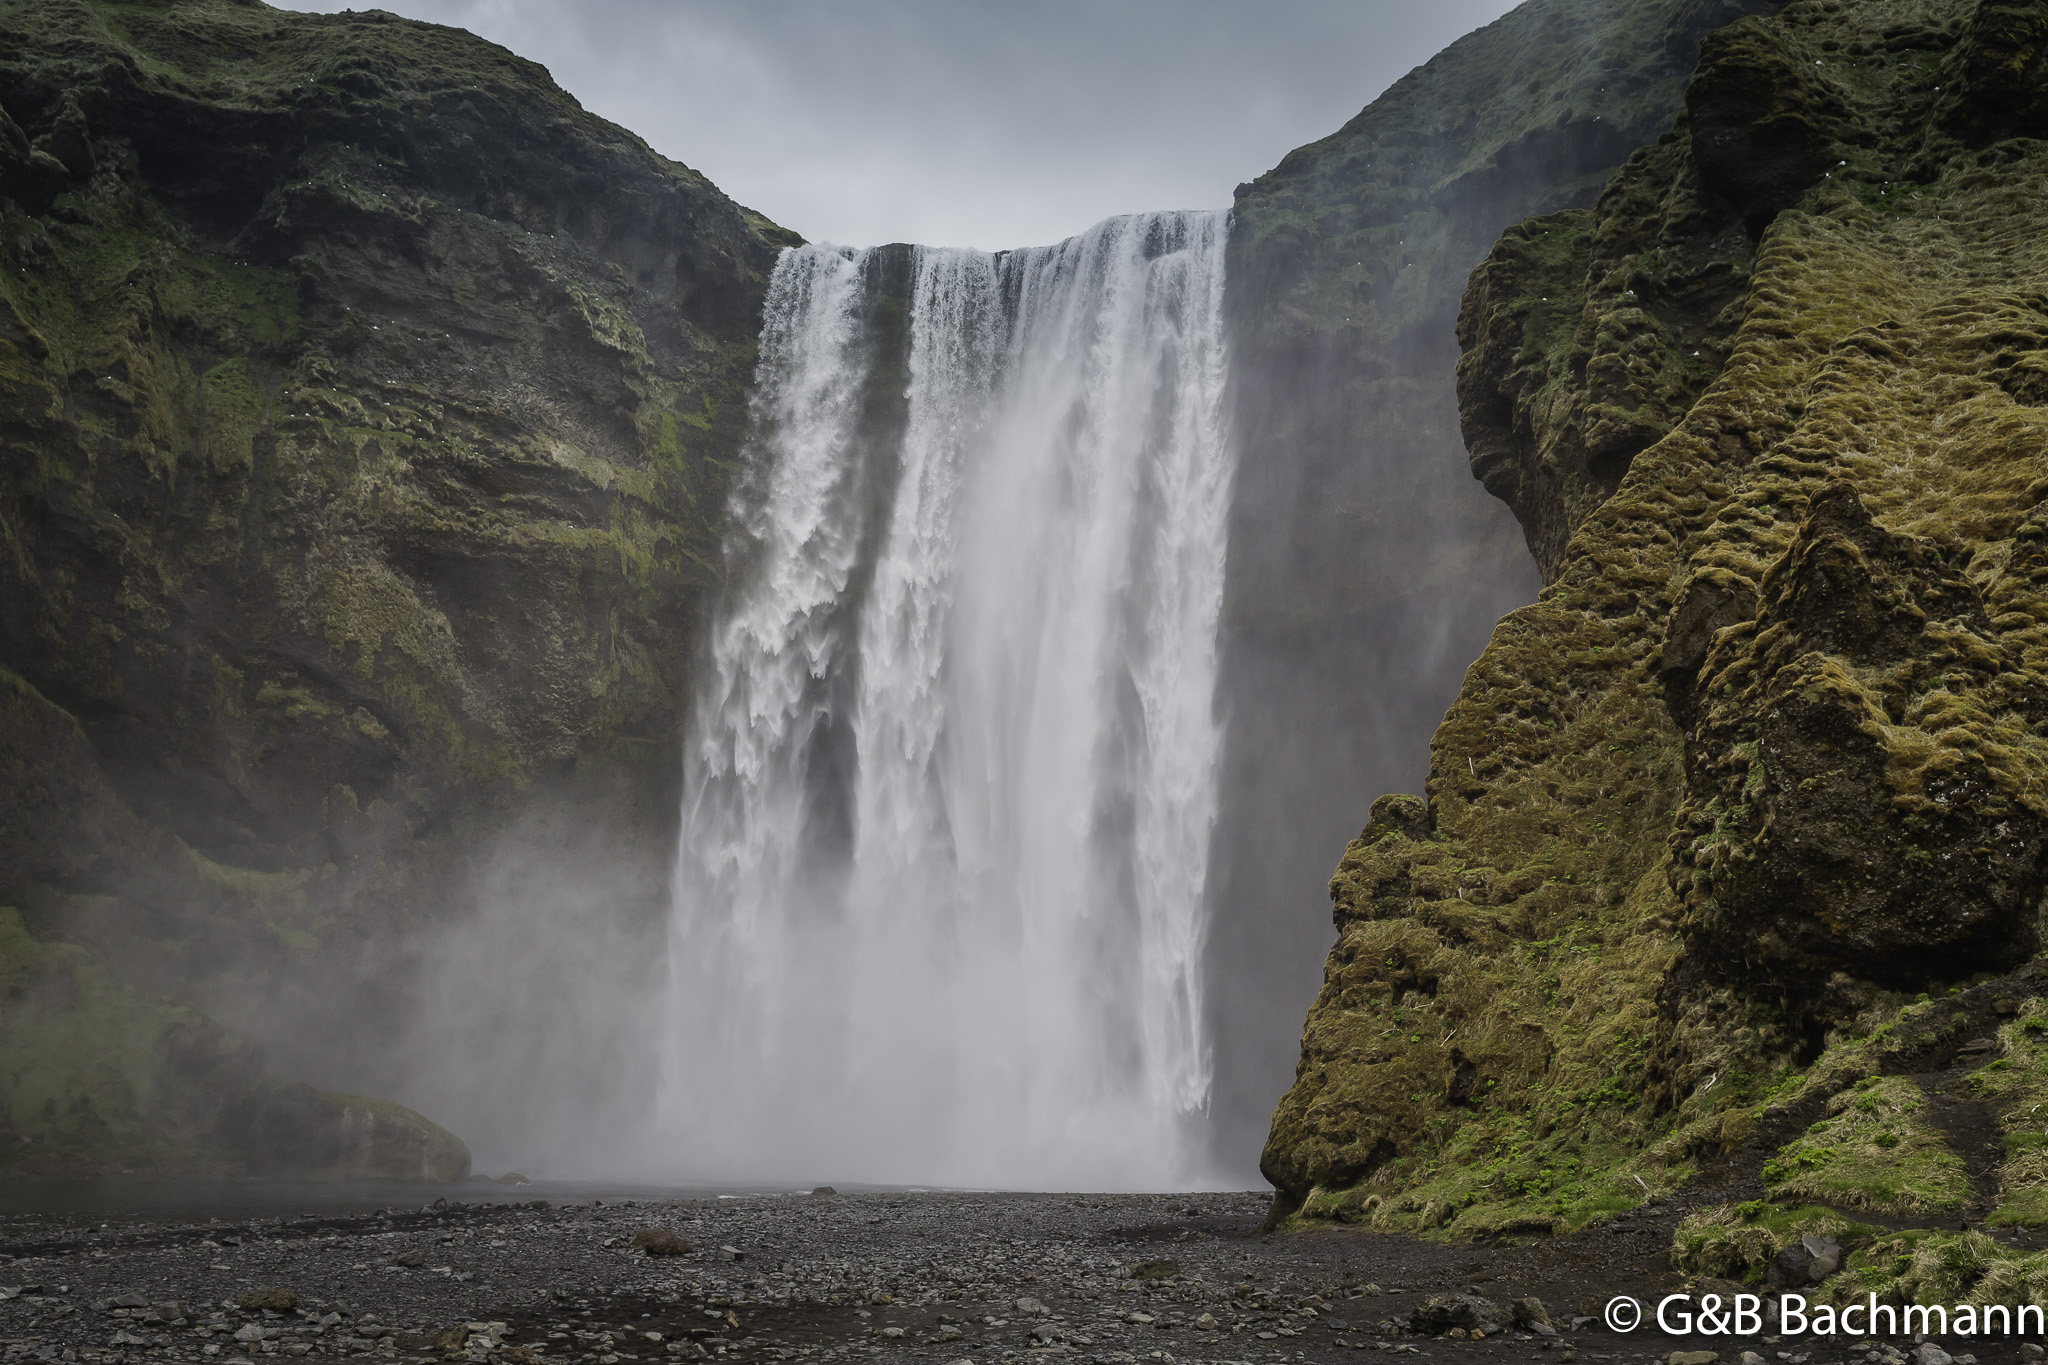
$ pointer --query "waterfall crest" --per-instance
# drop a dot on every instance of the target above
(950, 783)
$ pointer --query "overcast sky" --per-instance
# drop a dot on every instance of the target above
(988, 123)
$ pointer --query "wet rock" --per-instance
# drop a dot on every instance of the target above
(660, 1242)
(69, 141)
(295, 1130)
(1807, 1261)
(1844, 844)
(275, 1300)
(1443, 1312)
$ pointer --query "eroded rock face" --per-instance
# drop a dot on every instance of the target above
(295, 1130)
(366, 410)
(1766, 762)
(1850, 805)
(1365, 568)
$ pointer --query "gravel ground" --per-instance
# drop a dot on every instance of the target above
(935, 1277)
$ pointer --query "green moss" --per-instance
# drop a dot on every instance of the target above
(1740, 1241)
(1927, 1267)
(1874, 1150)
(1756, 852)
(94, 1075)
(363, 456)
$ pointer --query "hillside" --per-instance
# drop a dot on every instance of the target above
(1729, 864)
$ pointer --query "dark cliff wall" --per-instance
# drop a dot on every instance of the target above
(1731, 865)
(366, 409)
(1366, 565)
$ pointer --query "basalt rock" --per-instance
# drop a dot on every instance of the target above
(1740, 826)
(1365, 568)
(366, 408)
(1850, 805)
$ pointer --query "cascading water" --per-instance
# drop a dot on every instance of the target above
(950, 783)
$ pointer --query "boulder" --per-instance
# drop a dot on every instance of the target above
(290, 1129)
(1808, 1260)
(1465, 1311)
(660, 1242)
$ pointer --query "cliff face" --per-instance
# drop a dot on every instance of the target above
(365, 416)
(1366, 567)
(1738, 831)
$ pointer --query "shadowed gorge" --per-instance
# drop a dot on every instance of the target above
(509, 659)
(1366, 566)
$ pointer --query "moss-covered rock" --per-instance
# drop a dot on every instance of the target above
(1365, 568)
(96, 1076)
(1767, 760)
(366, 410)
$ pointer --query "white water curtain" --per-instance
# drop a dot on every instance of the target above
(950, 782)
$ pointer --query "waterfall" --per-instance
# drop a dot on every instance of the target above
(950, 780)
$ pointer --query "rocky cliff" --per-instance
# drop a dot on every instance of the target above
(1729, 869)
(1366, 568)
(366, 409)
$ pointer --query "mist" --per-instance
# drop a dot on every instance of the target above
(1000, 819)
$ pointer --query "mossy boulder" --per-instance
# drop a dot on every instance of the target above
(97, 1076)
(295, 1130)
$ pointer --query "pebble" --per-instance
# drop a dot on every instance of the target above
(996, 1279)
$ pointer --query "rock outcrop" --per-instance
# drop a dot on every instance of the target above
(366, 408)
(1737, 831)
(1365, 568)
(97, 1076)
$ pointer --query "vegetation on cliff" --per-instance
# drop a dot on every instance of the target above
(366, 409)
(1731, 858)
(1365, 569)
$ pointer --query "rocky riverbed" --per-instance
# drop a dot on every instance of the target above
(943, 1277)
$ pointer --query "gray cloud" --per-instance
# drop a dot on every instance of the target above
(969, 122)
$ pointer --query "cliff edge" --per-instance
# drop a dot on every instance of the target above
(366, 410)
(1729, 868)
